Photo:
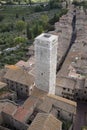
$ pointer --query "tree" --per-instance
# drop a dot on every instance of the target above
(54, 4)
(44, 20)
(29, 31)
(19, 40)
(40, 30)
(20, 25)
(29, 2)
(17, 15)
(35, 30)
(1, 17)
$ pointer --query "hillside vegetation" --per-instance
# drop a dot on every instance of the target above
(40, 0)
(19, 25)
(23, 1)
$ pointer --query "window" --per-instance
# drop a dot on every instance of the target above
(72, 91)
(76, 94)
(58, 113)
(41, 73)
(86, 100)
(21, 88)
(85, 92)
(83, 99)
(26, 90)
(62, 92)
(64, 88)
(12, 86)
(70, 114)
(78, 99)
(68, 89)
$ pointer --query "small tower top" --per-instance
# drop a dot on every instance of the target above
(46, 39)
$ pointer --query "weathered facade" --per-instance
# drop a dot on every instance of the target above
(19, 81)
(46, 60)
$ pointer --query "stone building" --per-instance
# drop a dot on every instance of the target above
(65, 87)
(64, 108)
(46, 122)
(19, 81)
(6, 93)
(72, 78)
(46, 60)
(9, 116)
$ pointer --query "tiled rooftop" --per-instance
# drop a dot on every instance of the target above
(19, 75)
(31, 102)
(65, 82)
(7, 107)
(46, 122)
(22, 114)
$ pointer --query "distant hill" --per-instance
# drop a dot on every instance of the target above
(40, 0)
(21, 1)
(3, 1)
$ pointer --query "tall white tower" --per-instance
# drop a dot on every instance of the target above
(46, 60)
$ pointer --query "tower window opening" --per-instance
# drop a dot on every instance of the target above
(41, 73)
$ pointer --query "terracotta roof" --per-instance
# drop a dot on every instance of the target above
(26, 109)
(22, 114)
(65, 82)
(14, 67)
(20, 76)
(62, 103)
(2, 85)
(46, 105)
(31, 102)
(29, 64)
(21, 63)
(38, 93)
(45, 121)
(7, 107)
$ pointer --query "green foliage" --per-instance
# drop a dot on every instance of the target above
(6, 27)
(37, 29)
(84, 128)
(20, 25)
(6, 40)
(9, 2)
(17, 16)
(51, 27)
(23, 18)
(54, 4)
(66, 125)
(82, 3)
(19, 40)
(29, 31)
(1, 17)
(57, 16)
(38, 8)
(54, 19)
(44, 20)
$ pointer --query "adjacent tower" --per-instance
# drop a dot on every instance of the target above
(46, 60)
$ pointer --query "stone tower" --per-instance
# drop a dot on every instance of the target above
(46, 60)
